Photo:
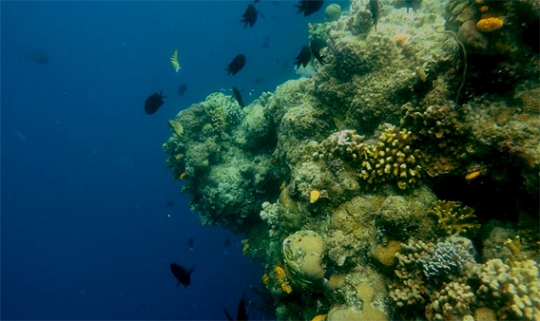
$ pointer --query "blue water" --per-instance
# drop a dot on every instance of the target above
(86, 231)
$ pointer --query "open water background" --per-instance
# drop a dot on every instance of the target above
(85, 229)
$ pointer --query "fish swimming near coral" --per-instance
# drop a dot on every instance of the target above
(174, 61)
(39, 57)
(316, 45)
(309, 6)
(153, 103)
(308, 71)
(374, 8)
(238, 96)
(182, 89)
(250, 16)
(181, 274)
(237, 64)
(241, 314)
(303, 57)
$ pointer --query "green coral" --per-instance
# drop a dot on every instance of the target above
(392, 159)
(454, 218)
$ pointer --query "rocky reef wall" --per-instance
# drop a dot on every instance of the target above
(399, 182)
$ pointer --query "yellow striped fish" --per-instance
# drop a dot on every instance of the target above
(174, 60)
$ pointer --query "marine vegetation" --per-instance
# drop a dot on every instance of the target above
(400, 181)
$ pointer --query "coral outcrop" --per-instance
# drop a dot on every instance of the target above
(400, 181)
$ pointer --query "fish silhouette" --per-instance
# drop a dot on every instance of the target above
(237, 64)
(153, 102)
(181, 274)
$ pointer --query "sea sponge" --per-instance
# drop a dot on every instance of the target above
(332, 13)
(303, 252)
(392, 159)
(489, 24)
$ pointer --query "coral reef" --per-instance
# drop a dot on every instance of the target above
(399, 182)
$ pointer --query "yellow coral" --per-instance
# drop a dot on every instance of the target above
(314, 195)
(392, 159)
(489, 24)
(265, 278)
(453, 217)
(280, 273)
(386, 254)
(286, 288)
(320, 317)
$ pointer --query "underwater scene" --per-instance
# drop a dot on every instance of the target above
(400, 181)
(291, 160)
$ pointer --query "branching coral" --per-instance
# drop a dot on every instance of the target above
(453, 217)
(392, 159)
(514, 285)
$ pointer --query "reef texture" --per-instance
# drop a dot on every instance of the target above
(401, 181)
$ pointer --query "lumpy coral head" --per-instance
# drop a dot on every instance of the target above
(303, 252)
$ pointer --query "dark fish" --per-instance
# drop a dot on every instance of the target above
(256, 1)
(39, 57)
(241, 315)
(182, 89)
(227, 242)
(316, 46)
(414, 4)
(303, 58)
(191, 242)
(153, 103)
(238, 96)
(181, 274)
(309, 6)
(237, 64)
(375, 10)
(266, 43)
(170, 203)
(250, 16)
(259, 80)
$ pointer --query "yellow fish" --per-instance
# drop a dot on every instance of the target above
(174, 60)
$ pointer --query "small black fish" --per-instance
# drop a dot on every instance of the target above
(316, 46)
(375, 9)
(256, 1)
(191, 243)
(259, 80)
(309, 6)
(170, 203)
(241, 314)
(182, 89)
(181, 274)
(250, 16)
(237, 64)
(266, 43)
(238, 96)
(153, 103)
(227, 242)
(39, 57)
(303, 58)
